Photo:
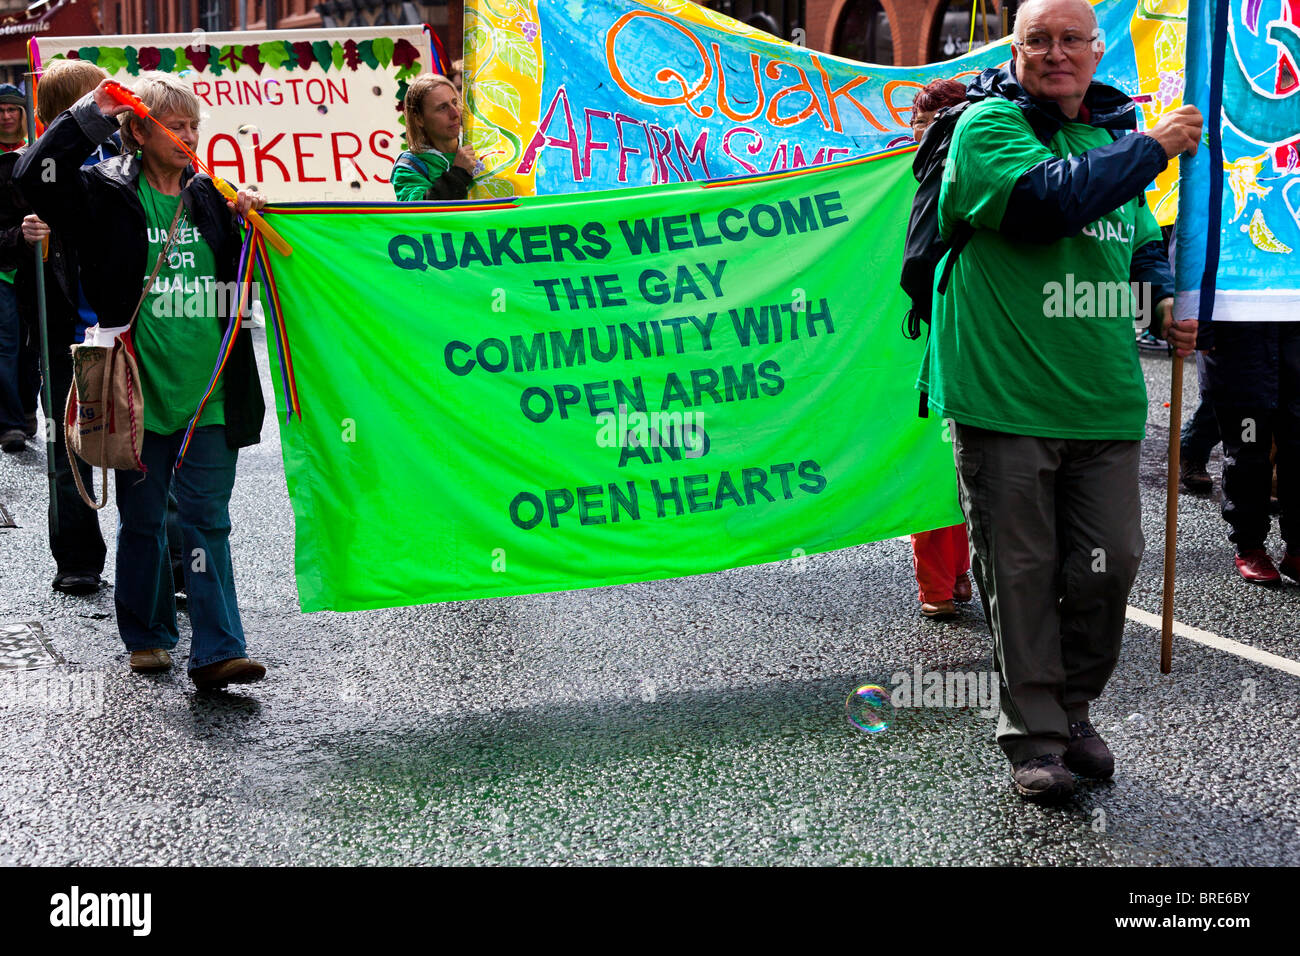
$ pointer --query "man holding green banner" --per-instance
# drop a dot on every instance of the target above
(1040, 373)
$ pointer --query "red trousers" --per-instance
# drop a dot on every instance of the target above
(940, 557)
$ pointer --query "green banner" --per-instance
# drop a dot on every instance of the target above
(542, 394)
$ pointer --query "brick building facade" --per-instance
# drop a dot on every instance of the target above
(903, 32)
(182, 16)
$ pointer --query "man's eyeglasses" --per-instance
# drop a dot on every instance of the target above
(1070, 45)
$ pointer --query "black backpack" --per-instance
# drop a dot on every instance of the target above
(924, 247)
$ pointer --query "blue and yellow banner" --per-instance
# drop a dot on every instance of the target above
(1238, 254)
(578, 95)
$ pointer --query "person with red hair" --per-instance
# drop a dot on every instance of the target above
(935, 96)
(940, 558)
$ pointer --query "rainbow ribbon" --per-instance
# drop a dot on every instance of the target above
(275, 315)
(437, 52)
(245, 273)
(34, 73)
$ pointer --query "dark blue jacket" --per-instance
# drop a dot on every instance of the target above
(97, 210)
(1059, 197)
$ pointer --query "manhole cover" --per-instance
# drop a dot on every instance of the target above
(24, 646)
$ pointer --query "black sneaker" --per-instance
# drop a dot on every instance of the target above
(13, 440)
(1147, 341)
(1087, 755)
(1043, 779)
(78, 584)
(29, 426)
(1195, 479)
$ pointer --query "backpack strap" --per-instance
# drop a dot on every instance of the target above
(415, 163)
(961, 234)
(408, 160)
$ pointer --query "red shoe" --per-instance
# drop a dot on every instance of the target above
(961, 589)
(1257, 567)
(1290, 567)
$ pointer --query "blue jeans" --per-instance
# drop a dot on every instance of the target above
(145, 592)
(19, 369)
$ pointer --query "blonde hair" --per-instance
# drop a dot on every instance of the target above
(62, 83)
(413, 105)
(164, 95)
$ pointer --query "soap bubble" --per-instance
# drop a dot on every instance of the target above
(355, 185)
(186, 74)
(247, 128)
(383, 144)
(322, 109)
(869, 708)
(377, 91)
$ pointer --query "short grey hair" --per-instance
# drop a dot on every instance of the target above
(1030, 6)
(164, 94)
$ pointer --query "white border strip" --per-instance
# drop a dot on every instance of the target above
(1242, 305)
(1217, 642)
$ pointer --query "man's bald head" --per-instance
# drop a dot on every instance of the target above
(1057, 50)
(1027, 11)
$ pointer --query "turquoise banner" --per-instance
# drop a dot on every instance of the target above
(1238, 253)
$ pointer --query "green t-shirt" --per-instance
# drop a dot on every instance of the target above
(410, 185)
(1033, 339)
(178, 333)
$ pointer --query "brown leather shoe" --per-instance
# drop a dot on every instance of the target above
(939, 610)
(1087, 755)
(151, 661)
(237, 670)
(1256, 567)
(1043, 779)
(961, 589)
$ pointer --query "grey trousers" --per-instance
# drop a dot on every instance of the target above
(1056, 537)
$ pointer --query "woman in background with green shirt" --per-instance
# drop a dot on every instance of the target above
(436, 166)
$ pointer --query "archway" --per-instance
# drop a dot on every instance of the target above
(863, 32)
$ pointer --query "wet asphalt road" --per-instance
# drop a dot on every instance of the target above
(698, 720)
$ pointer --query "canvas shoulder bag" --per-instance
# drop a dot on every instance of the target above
(104, 420)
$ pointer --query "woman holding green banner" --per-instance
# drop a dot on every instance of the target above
(156, 243)
(437, 166)
(940, 558)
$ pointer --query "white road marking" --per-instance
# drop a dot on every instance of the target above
(1217, 642)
